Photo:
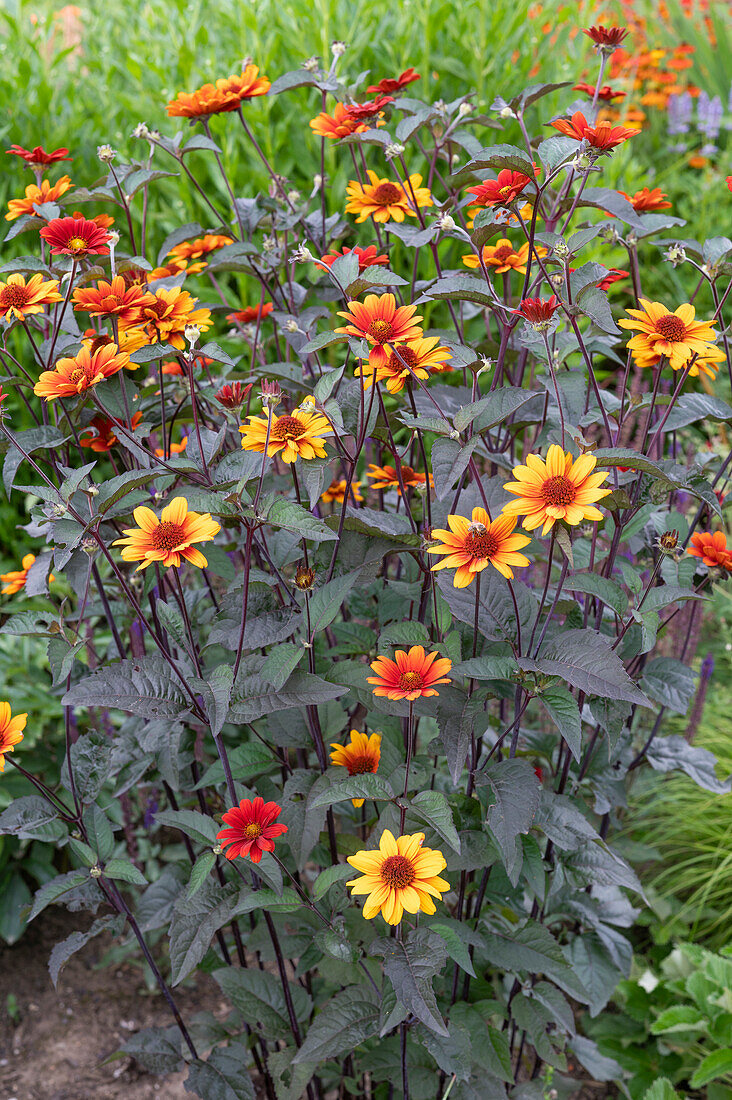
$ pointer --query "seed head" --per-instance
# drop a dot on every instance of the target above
(304, 578)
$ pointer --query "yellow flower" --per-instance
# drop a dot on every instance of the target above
(168, 539)
(675, 336)
(336, 492)
(422, 355)
(383, 200)
(361, 756)
(560, 488)
(472, 544)
(298, 435)
(15, 581)
(21, 299)
(10, 731)
(400, 875)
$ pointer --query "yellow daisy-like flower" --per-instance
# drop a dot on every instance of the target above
(361, 756)
(336, 491)
(472, 544)
(401, 875)
(168, 539)
(503, 256)
(421, 355)
(383, 200)
(560, 488)
(21, 299)
(675, 336)
(15, 581)
(73, 375)
(296, 435)
(10, 731)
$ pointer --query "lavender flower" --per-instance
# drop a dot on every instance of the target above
(679, 108)
(709, 114)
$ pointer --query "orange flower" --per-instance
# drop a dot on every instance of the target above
(500, 191)
(175, 448)
(101, 435)
(169, 539)
(602, 136)
(15, 581)
(10, 731)
(194, 250)
(401, 875)
(472, 544)
(606, 93)
(421, 355)
(560, 488)
(504, 257)
(21, 299)
(712, 549)
(76, 237)
(104, 221)
(249, 85)
(297, 435)
(675, 336)
(367, 257)
(336, 492)
(379, 320)
(249, 314)
(361, 756)
(113, 299)
(385, 477)
(648, 200)
(411, 675)
(36, 196)
(165, 317)
(72, 376)
(394, 84)
(225, 95)
(338, 125)
(383, 200)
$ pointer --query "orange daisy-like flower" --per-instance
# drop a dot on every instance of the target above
(251, 829)
(175, 448)
(74, 375)
(601, 136)
(249, 314)
(13, 582)
(385, 477)
(712, 549)
(76, 237)
(379, 320)
(646, 199)
(675, 336)
(606, 93)
(394, 84)
(338, 125)
(296, 435)
(225, 95)
(21, 299)
(401, 875)
(361, 756)
(104, 221)
(169, 539)
(101, 431)
(113, 299)
(10, 731)
(248, 85)
(367, 257)
(560, 488)
(504, 257)
(472, 544)
(422, 356)
(165, 316)
(36, 196)
(194, 250)
(38, 157)
(501, 191)
(411, 675)
(383, 200)
(336, 492)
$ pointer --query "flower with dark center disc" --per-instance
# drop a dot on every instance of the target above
(411, 675)
(361, 756)
(401, 875)
(472, 544)
(560, 488)
(169, 539)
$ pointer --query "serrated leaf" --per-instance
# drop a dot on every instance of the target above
(329, 877)
(410, 966)
(433, 808)
(64, 950)
(199, 827)
(343, 1023)
(258, 996)
(583, 659)
(674, 753)
(355, 786)
(562, 708)
(55, 889)
(125, 871)
(223, 1076)
(450, 460)
(157, 1049)
(515, 789)
(142, 685)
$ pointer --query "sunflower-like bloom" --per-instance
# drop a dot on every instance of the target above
(712, 549)
(603, 135)
(20, 299)
(101, 431)
(169, 539)
(411, 675)
(501, 191)
(379, 320)
(472, 544)
(36, 196)
(422, 357)
(338, 125)
(15, 581)
(361, 756)
(76, 237)
(560, 488)
(113, 299)
(181, 254)
(503, 256)
(10, 731)
(645, 199)
(675, 336)
(401, 875)
(383, 200)
(71, 376)
(165, 317)
(367, 257)
(252, 828)
(336, 492)
(225, 95)
(296, 435)
(385, 477)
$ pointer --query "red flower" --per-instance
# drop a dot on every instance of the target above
(249, 314)
(394, 84)
(613, 276)
(251, 829)
(232, 395)
(610, 37)
(75, 237)
(500, 191)
(38, 157)
(605, 93)
(729, 182)
(538, 311)
(603, 135)
(645, 199)
(368, 110)
(366, 256)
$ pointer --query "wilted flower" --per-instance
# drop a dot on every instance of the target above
(233, 395)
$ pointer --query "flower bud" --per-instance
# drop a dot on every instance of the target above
(95, 871)
(301, 255)
(192, 333)
(338, 48)
(394, 149)
(292, 325)
(106, 153)
(464, 109)
(506, 112)
(141, 130)
(270, 394)
(310, 65)
(445, 223)
(113, 238)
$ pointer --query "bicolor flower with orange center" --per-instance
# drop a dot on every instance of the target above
(411, 675)
(603, 135)
(20, 299)
(385, 477)
(76, 237)
(412, 359)
(501, 191)
(712, 549)
(472, 544)
(251, 829)
(113, 299)
(250, 314)
(361, 756)
(165, 317)
(36, 196)
(11, 731)
(74, 375)
(15, 581)
(38, 157)
(338, 125)
(647, 199)
(675, 336)
(169, 539)
(560, 488)
(382, 199)
(367, 257)
(101, 431)
(379, 320)
(504, 257)
(194, 250)
(401, 875)
(295, 435)
(336, 492)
